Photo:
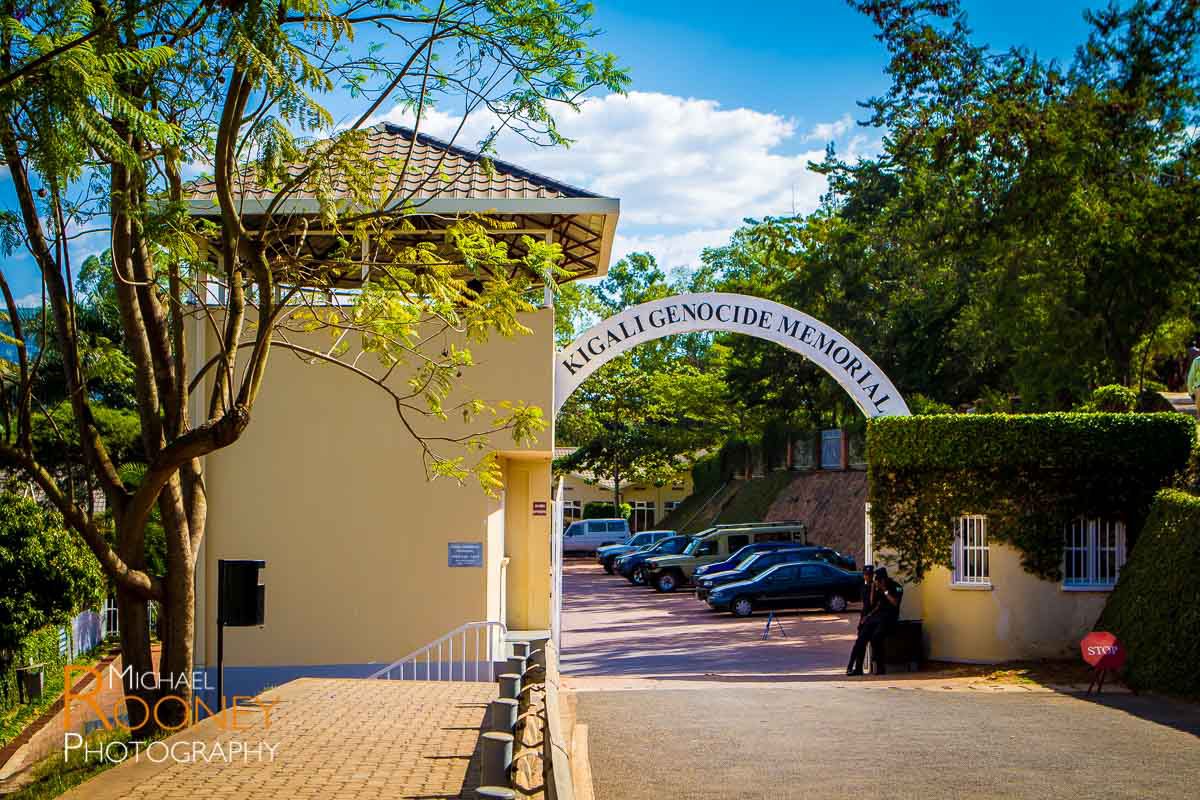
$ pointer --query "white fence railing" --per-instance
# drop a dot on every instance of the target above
(479, 646)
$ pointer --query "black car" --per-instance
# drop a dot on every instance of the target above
(751, 565)
(811, 584)
(632, 566)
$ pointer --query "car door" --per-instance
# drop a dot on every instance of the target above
(778, 590)
(811, 585)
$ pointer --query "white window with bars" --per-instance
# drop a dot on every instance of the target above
(573, 509)
(970, 557)
(1093, 553)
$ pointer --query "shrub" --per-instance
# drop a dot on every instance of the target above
(1155, 608)
(1030, 473)
(598, 509)
(1113, 398)
(47, 573)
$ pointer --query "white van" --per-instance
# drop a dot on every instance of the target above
(588, 534)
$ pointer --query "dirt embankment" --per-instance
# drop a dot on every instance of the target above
(833, 506)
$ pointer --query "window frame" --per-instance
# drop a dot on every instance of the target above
(968, 569)
(1089, 531)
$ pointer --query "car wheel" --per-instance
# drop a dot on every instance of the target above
(639, 577)
(608, 566)
(835, 603)
(667, 582)
(742, 607)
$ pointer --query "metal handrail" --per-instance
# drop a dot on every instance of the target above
(466, 634)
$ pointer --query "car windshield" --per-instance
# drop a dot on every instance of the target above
(745, 562)
(693, 546)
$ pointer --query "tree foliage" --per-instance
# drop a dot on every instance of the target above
(1026, 232)
(105, 112)
(46, 571)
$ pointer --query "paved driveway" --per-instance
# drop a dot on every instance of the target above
(683, 703)
(808, 740)
(614, 629)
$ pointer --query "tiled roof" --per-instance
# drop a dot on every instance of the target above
(436, 168)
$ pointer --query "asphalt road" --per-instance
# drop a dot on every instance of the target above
(813, 741)
(684, 703)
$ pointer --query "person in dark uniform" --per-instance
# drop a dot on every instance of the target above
(878, 622)
(868, 593)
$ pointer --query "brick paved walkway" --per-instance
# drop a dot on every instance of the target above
(340, 739)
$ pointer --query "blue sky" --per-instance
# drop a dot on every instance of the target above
(725, 112)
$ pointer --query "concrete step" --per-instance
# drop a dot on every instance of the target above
(1181, 402)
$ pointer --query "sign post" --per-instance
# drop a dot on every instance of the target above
(1104, 654)
(241, 600)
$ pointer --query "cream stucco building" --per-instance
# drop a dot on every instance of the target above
(650, 502)
(328, 488)
(988, 608)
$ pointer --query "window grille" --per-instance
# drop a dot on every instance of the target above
(1093, 552)
(971, 567)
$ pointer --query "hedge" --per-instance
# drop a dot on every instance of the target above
(1155, 608)
(599, 509)
(40, 647)
(1029, 473)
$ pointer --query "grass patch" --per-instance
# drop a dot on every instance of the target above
(15, 719)
(57, 775)
(754, 498)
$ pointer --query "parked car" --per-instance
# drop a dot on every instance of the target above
(632, 566)
(607, 554)
(589, 535)
(810, 584)
(817, 553)
(748, 567)
(668, 573)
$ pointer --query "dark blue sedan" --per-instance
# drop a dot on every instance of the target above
(749, 567)
(811, 584)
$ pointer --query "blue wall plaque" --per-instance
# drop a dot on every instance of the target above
(464, 554)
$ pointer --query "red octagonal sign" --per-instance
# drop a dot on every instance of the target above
(1103, 651)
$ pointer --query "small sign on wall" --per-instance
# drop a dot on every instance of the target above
(464, 554)
(539, 508)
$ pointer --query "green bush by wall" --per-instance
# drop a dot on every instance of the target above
(1155, 609)
(1029, 473)
(40, 647)
(598, 509)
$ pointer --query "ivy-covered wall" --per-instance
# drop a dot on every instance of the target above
(1029, 473)
(1155, 609)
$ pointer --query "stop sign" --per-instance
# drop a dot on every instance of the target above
(1102, 650)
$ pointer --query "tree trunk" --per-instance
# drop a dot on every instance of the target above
(137, 662)
(616, 495)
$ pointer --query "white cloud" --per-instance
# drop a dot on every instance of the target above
(672, 249)
(830, 131)
(31, 300)
(687, 171)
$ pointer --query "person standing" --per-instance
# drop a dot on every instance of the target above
(868, 593)
(877, 624)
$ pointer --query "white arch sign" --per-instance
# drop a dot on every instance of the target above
(861, 377)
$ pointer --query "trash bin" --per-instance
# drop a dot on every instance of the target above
(32, 681)
(905, 647)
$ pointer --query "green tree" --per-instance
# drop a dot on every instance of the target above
(101, 109)
(47, 572)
